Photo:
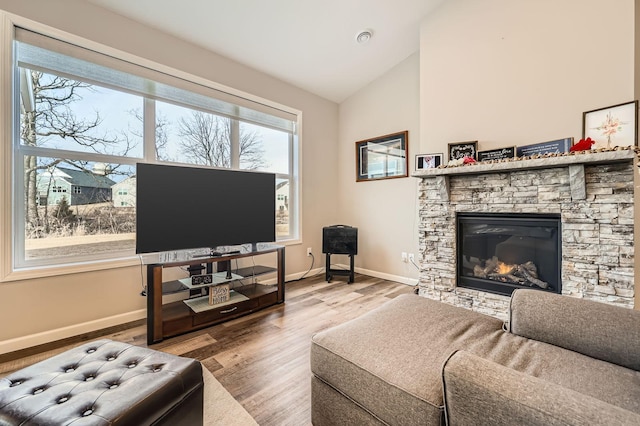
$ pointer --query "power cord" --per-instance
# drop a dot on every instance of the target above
(414, 264)
(143, 293)
(313, 260)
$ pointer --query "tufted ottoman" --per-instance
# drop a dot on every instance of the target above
(105, 383)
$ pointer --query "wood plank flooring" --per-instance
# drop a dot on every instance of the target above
(263, 359)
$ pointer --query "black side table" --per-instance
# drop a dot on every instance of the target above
(329, 273)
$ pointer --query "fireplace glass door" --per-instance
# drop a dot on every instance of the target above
(499, 253)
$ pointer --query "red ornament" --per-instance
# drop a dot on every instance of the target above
(468, 160)
(582, 145)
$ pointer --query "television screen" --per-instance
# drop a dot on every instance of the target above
(182, 208)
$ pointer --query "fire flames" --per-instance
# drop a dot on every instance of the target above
(504, 268)
(522, 274)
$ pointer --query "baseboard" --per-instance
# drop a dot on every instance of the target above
(384, 276)
(49, 336)
(294, 277)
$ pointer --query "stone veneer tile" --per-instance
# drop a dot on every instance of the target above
(596, 206)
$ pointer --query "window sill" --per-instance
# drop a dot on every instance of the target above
(73, 268)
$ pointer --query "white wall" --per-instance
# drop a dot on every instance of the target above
(516, 72)
(384, 211)
(39, 310)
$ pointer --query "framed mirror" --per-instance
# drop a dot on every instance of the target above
(384, 157)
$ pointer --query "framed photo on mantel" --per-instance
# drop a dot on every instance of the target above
(428, 161)
(460, 150)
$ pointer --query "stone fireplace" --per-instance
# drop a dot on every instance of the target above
(592, 195)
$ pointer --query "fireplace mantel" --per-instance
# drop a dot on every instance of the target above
(593, 192)
(531, 163)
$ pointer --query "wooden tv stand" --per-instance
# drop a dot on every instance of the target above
(176, 318)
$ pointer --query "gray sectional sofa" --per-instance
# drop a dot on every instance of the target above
(414, 361)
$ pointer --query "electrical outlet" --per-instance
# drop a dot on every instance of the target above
(404, 256)
(412, 258)
(308, 251)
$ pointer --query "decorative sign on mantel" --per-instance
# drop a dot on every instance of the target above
(497, 154)
(557, 146)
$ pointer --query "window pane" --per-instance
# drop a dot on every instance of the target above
(263, 149)
(75, 208)
(60, 113)
(189, 136)
(283, 196)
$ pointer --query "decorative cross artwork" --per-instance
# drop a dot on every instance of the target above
(612, 126)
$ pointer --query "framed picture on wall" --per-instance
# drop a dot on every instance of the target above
(612, 126)
(460, 150)
(428, 161)
(384, 157)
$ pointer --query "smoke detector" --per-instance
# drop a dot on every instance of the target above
(364, 36)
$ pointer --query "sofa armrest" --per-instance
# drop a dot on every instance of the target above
(599, 330)
(480, 392)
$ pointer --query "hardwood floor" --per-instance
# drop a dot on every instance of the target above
(263, 359)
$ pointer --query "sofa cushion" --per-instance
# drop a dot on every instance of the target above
(476, 388)
(389, 361)
(606, 381)
(596, 329)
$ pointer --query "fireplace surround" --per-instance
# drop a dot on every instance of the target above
(591, 193)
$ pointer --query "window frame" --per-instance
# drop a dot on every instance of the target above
(9, 136)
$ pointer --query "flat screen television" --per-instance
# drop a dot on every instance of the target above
(181, 208)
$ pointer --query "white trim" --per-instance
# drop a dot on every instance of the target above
(32, 272)
(389, 277)
(384, 276)
(7, 23)
(6, 144)
(31, 340)
(293, 277)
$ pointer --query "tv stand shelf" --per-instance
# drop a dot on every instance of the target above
(176, 318)
(253, 271)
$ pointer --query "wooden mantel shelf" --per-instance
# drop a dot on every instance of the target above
(527, 163)
(574, 161)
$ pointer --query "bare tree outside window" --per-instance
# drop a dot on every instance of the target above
(205, 139)
(49, 118)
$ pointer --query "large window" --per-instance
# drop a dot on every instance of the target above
(83, 120)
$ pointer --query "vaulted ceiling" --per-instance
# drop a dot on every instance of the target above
(310, 44)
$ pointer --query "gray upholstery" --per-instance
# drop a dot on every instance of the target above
(389, 360)
(481, 392)
(585, 326)
(105, 383)
(387, 366)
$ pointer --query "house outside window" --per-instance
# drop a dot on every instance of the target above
(86, 119)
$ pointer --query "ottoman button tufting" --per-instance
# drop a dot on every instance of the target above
(73, 385)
